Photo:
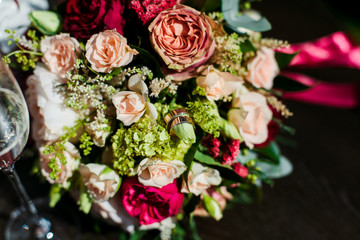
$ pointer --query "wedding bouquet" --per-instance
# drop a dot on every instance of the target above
(150, 112)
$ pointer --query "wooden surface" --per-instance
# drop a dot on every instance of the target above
(321, 198)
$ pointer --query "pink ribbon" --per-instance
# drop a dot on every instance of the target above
(335, 50)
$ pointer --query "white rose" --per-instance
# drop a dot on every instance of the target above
(201, 178)
(163, 226)
(114, 212)
(47, 107)
(253, 128)
(72, 158)
(156, 173)
(101, 181)
(98, 135)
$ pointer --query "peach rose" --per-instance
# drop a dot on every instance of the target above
(101, 181)
(72, 157)
(263, 68)
(60, 53)
(108, 50)
(253, 127)
(131, 105)
(182, 36)
(201, 178)
(156, 173)
(218, 84)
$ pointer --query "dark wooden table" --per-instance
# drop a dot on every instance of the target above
(321, 198)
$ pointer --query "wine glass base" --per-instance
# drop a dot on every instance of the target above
(53, 223)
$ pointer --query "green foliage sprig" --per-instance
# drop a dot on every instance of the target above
(29, 49)
(57, 150)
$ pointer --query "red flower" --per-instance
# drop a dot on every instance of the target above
(240, 169)
(147, 10)
(212, 144)
(150, 204)
(83, 18)
(230, 151)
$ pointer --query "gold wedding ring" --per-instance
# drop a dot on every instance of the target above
(175, 117)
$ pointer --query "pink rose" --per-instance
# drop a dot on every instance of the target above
(72, 157)
(182, 37)
(263, 68)
(150, 204)
(60, 53)
(108, 50)
(131, 105)
(218, 84)
(253, 128)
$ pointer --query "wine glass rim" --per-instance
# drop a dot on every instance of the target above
(23, 129)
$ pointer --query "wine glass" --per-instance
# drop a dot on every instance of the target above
(25, 222)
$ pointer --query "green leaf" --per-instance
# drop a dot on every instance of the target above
(271, 153)
(247, 46)
(191, 204)
(47, 22)
(185, 132)
(212, 207)
(271, 171)
(287, 84)
(228, 129)
(55, 194)
(189, 156)
(150, 60)
(230, 10)
(206, 159)
(283, 59)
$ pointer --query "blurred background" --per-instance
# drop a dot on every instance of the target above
(321, 198)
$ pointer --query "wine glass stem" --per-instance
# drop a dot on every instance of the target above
(20, 190)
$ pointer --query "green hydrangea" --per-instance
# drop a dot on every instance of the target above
(205, 114)
(143, 139)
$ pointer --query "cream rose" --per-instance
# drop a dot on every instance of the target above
(218, 84)
(131, 105)
(108, 50)
(263, 68)
(156, 173)
(60, 53)
(253, 128)
(201, 178)
(72, 157)
(46, 106)
(101, 181)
